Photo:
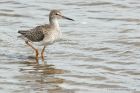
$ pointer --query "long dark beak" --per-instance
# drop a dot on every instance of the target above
(66, 18)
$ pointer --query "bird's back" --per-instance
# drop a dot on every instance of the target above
(36, 34)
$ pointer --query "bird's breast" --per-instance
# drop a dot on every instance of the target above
(52, 36)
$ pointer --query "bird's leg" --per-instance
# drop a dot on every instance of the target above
(36, 50)
(42, 53)
(37, 56)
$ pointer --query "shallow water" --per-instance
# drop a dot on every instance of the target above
(99, 52)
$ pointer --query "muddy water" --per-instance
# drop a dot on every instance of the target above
(99, 52)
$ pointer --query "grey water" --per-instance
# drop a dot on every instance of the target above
(98, 53)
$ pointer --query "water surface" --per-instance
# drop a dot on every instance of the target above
(99, 52)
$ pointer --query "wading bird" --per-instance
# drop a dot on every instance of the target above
(44, 34)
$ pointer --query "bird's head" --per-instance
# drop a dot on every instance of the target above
(56, 14)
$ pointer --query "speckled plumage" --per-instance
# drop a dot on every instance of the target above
(46, 34)
(34, 35)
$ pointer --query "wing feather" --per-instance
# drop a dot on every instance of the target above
(36, 34)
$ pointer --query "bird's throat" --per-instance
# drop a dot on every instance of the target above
(55, 23)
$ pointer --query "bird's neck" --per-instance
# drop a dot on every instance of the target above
(55, 23)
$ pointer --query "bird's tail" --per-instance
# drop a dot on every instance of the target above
(22, 31)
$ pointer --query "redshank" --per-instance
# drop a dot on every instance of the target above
(44, 34)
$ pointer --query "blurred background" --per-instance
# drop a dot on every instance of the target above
(98, 53)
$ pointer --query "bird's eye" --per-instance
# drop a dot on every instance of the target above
(57, 13)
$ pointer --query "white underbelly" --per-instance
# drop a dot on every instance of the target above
(52, 37)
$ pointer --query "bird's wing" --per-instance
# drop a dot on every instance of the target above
(35, 35)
